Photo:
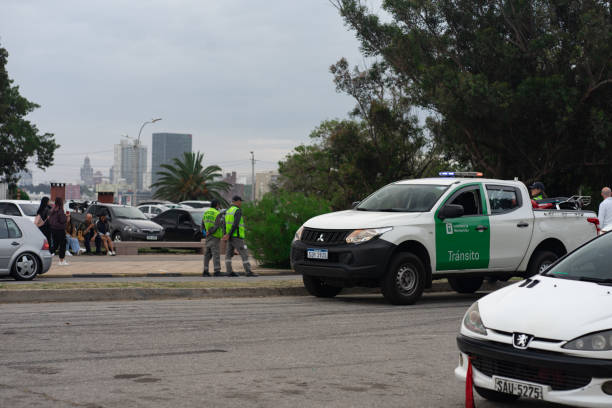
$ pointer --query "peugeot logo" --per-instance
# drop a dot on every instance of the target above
(521, 340)
(321, 238)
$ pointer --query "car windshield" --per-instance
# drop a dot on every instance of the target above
(197, 216)
(590, 262)
(129, 213)
(29, 209)
(403, 198)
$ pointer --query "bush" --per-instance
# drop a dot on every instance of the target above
(272, 223)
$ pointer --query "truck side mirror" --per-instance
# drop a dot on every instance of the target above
(355, 204)
(451, 211)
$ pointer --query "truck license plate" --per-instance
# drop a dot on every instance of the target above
(316, 253)
(152, 237)
(518, 388)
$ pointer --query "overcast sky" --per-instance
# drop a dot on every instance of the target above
(239, 75)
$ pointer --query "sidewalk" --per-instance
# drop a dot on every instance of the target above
(146, 265)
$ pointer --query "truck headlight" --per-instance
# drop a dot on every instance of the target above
(592, 342)
(472, 320)
(363, 235)
(298, 234)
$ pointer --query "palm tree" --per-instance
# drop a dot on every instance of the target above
(187, 179)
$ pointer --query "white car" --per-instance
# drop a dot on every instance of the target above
(196, 204)
(19, 208)
(411, 232)
(548, 337)
(152, 210)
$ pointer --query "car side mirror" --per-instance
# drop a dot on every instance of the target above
(451, 211)
(355, 204)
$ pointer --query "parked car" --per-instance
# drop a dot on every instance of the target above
(24, 251)
(548, 337)
(181, 225)
(196, 204)
(19, 208)
(152, 210)
(126, 223)
(458, 227)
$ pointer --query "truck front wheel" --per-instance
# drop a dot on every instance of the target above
(465, 284)
(317, 287)
(405, 280)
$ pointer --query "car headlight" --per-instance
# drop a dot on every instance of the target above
(363, 235)
(130, 229)
(298, 234)
(600, 341)
(472, 320)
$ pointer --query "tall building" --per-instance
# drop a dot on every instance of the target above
(264, 183)
(87, 172)
(123, 167)
(168, 146)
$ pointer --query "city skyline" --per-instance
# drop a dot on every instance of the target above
(260, 85)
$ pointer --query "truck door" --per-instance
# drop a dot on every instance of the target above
(511, 222)
(463, 243)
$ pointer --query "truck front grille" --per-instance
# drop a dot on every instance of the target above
(324, 237)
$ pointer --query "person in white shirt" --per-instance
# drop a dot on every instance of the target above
(605, 208)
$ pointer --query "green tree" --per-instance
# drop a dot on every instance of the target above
(517, 87)
(19, 138)
(382, 142)
(272, 222)
(187, 179)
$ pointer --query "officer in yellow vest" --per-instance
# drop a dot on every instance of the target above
(234, 235)
(213, 225)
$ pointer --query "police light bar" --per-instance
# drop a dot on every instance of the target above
(460, 174)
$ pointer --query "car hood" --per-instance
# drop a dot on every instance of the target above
(556, 309)
(353, 219)
(141, 224)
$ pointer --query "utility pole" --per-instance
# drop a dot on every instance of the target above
(252, 176)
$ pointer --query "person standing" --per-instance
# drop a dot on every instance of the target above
(213, 225)
(89, 233)
(605, 208)
(57, 224)
(537, 191)
(234, 236)
(41, 218)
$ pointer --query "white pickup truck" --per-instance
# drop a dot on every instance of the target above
(411, 232)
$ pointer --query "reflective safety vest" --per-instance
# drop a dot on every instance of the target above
(229, 222)
(538, 197)
(209, 218)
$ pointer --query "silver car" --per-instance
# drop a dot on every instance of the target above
(24, 250)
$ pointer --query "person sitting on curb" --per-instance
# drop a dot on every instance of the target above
(103, 228)
(89, 233)
(72, 242)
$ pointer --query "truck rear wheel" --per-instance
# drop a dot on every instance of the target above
(317, 287)
(405, 280)
(540, 261)
(465, 284)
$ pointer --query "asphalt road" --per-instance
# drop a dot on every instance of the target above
(352, 351)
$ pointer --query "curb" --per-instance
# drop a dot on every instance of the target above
(262, 272)
(125, 294)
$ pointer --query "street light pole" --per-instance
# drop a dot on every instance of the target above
(252, 176)
(137, 156)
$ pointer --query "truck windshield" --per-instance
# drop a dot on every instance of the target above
(129, 213)
(590, 263)
(403, 198)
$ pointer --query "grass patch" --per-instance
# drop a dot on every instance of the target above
(153, 285)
